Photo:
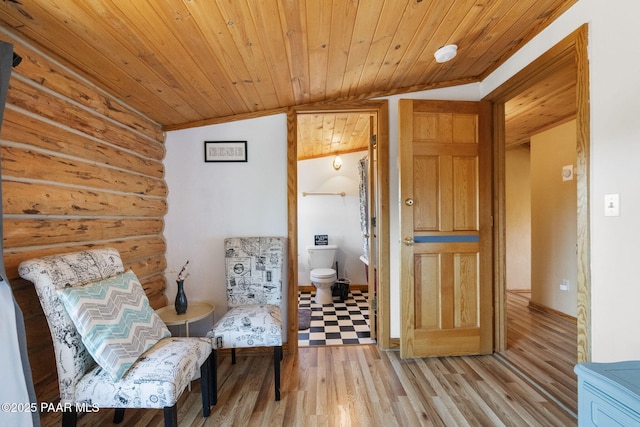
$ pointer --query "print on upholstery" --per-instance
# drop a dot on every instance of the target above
(249, 326)
(254, 267)
(155, 380)
(254, 270)
(115, 321)
(49, 274)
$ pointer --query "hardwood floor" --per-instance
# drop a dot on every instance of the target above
(545, 347)
(361, 385)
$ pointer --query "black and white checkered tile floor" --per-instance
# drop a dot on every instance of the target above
(338, 323)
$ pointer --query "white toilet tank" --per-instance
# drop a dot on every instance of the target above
(322, 256)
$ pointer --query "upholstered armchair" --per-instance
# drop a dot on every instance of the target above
(112, 350)
(253, 268)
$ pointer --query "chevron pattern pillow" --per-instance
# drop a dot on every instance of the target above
(115, 321)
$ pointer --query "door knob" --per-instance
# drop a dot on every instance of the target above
(408, 241)
(409, 202)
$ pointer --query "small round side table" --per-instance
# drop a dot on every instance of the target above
(195, 311)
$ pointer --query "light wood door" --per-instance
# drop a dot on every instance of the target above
(445, 198)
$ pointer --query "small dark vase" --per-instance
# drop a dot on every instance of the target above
(181, 298)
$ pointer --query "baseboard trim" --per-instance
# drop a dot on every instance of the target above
(548, 310)
(394, 344)
(352, 287)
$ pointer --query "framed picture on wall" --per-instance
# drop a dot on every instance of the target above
(225, 151)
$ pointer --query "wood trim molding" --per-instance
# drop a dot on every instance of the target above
(572, 48)
(499, 229)
(380, 107)
(548, 310)
(583, 120)
(292, 231)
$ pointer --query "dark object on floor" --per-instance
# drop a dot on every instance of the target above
(304, 318)
(341, 289)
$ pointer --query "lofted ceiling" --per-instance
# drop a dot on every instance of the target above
(187, 63)
(323, 134)
(548, 102)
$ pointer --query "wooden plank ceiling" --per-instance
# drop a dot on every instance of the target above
(186, 63)
(324, 134)
(547, 103)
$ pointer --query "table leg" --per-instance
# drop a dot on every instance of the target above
(186, 330)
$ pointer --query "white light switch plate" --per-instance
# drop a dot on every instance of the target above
(612, 205)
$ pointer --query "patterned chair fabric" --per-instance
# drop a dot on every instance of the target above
(254, 270)
(155, 380)
(253, 273)
(248, 326)
(254, 267)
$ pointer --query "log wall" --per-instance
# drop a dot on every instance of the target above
(80, 170)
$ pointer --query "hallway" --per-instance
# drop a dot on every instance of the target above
(544, 347)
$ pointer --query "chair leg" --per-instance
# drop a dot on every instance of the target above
(205, 386)
(277, 357)
(69, 418)
(233, 356)
(118, 416)
(171, 416)
(213, 382)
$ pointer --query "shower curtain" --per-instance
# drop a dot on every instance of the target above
(363, 169)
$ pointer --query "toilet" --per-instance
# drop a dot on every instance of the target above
(323, 276)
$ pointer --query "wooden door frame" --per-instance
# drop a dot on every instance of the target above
(381, 108)
(572, 48)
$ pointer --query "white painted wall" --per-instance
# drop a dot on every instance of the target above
(224, 209)
(336, 216)
(554, 219)
(211, 201)
(518, 218)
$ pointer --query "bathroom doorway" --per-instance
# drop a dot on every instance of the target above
(328, 203)
(332, 195)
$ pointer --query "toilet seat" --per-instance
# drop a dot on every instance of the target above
(323, 274)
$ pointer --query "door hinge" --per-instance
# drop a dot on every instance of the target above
(373, 221)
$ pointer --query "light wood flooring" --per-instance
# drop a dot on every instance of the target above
(545, 347)
(360, 385)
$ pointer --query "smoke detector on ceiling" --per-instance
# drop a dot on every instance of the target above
(446, 53)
